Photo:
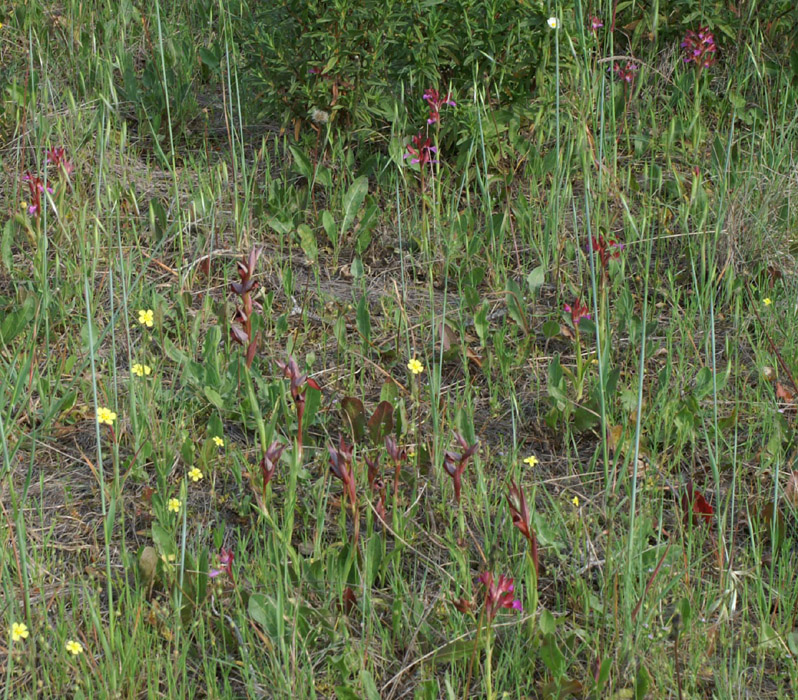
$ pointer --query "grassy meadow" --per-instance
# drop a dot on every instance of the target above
(400, 350)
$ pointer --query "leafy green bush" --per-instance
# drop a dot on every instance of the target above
(349, 60)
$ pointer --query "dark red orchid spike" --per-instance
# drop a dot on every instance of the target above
(242, 333)
(398, 456)
(695, 506)
(455, 462)
(341, 467)
(268, 465)
(606, 249)
(519, 510)
(298, 385)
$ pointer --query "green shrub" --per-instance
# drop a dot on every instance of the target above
(350, 60)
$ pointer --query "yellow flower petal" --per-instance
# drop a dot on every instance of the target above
(74, 647)
(19, 630)
(415, 366)
(174, 505)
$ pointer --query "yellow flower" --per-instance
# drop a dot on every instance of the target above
(532, 461)
(767, 301)
(411, 452)
(575, 501)
(74, 647)
(105, 415)
(141, 370)
(23, 204)
(19, 630)
(174, 505)
(146, 317)
(415, 366)
(195, 474)
(553, 22)
(219, 442)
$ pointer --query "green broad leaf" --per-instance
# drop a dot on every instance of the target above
(353, 199)
(302, 163)
(173, 352)
(547, 623)
(354, 416)
(551, 329)
(481, 323)
(210, 355)
(515, 304)
(15, 322)
(364, 319)
(213, 396)
(261, 608)
(703, 383)
(460, 650)
(307, 240)
(280, 226)
(535, 279)
(381, 423)
(642, 683)
(163, 539)
(551, 656)
(328, 224)
(369, 686)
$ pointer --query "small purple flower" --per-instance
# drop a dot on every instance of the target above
(595, 23)
(700, 47)
(421, 151)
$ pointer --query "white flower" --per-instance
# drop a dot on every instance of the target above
(553, 22)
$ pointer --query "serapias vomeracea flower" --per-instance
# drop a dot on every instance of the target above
(435, 101)
(522, 519)
(606, 249)
(627, 72)
(341, 467)
(226, 562)
(454, 463)
(56, 156)
(268, 464)
(578, 311)
(700, 47)
(498, 594)
(421, 151)
(36, 188)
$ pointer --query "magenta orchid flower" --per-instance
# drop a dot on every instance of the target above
(435, 101)
(700, 47)
(606, 249)
(578, 311)
(627, 72)
(37, 189)
(56, 156)
(498, 594)
(226, 562)
(421, 151)
(595, 23)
